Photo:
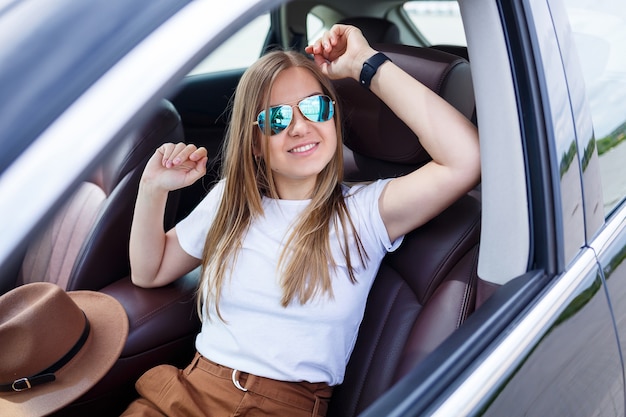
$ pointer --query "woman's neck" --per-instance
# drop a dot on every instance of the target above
(295, 189)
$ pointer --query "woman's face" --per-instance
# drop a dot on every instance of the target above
(302, 150)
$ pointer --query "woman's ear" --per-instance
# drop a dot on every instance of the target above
(257, 149)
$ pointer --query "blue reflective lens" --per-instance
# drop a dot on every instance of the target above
(318, 108)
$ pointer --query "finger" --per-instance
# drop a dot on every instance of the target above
(201, 166)
(198, 154)
(180, 153)
(196, 171)
(165, 150)
(333, 36)
(320, 60)
(317, 45)
(170, 149)
(327, 42)
(337, 32)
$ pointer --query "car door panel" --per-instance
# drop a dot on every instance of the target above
(610, 247)
(573, 366)
(560, 357)
(593, 58)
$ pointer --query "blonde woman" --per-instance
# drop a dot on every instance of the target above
(288, 252)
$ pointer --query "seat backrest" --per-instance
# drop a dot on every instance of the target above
(427, 287)
(452, 49)
(377, 143)
(375, 29)
(86, 244)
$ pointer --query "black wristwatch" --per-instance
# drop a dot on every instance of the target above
(370, 66)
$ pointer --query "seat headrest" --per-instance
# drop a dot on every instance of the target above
(375, 30)
(378, 143)
(163, 126)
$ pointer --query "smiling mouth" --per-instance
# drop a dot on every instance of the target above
(303, 148)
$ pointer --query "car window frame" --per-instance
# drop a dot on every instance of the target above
(86, 57)
(186, 37)
(218, 60)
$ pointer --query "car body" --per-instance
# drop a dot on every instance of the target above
(549, 81)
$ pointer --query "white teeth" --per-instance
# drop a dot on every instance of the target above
(303, 148)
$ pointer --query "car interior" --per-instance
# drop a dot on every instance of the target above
(423, 292)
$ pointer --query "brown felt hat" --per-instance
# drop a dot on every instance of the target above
(56, 345)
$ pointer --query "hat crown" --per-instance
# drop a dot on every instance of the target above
(39, 324)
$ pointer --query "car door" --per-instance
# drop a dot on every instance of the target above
(567, 362)
(599, 36)
(557, 350)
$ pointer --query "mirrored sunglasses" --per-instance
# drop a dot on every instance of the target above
(318, 108)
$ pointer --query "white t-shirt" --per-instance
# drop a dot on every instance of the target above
(301, 342)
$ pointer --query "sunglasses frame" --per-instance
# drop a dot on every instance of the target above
(274, 131)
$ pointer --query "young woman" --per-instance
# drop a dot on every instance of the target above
(288, 252)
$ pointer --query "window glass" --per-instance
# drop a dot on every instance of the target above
(241, 50)
(320, 19)
(439, 22)
(314, 27)
(599, 32)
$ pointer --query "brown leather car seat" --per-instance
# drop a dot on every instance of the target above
(86, 244)
(428, 287)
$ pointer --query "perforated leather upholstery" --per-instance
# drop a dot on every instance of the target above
(51, 257)
(427, 288)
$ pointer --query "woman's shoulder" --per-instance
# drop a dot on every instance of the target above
(354, 189)
(211, 200)
(216, 189)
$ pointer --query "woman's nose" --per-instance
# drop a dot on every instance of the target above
(299, 123)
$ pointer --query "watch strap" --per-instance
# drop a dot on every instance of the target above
(370, 66)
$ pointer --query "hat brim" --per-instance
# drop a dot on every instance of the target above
(109, 330)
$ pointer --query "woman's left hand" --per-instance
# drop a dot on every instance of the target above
(341, 51)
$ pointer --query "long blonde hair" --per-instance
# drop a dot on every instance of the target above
(307, 254)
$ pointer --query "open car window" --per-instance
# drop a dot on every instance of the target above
(241, 50)
(438, 22)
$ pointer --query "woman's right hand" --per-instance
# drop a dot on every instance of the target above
(175, 166)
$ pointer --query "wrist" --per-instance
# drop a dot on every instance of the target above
(151, 189)
(359, 59)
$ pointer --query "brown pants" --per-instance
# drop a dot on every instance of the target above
(205, 388)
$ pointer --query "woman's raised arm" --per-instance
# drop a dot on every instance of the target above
(156, 257)
(448, 136)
